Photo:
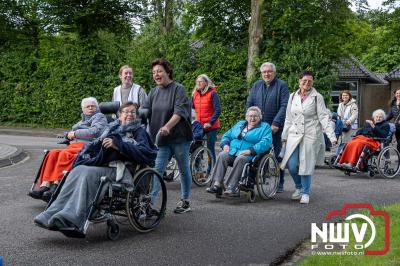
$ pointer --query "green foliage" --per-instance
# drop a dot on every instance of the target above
(383, 53)
(53, 53)
(66, 70)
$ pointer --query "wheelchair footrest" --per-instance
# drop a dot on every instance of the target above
(72, 232)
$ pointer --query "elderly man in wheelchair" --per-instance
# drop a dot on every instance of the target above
(111, 179)
(370, 150)
(241, 144)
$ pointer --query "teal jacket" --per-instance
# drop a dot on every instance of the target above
(257, 139)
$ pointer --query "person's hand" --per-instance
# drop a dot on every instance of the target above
(274, 129)
(283, 140)
(370, 122)
(108, 143)
(226, 148)
(207, 125)
(71, 135)
(348, 122)
(164, 131)
(245, 152)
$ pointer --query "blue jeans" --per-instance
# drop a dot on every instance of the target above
(181, 152)
(277, 142)
(211, 139)
(302, 182)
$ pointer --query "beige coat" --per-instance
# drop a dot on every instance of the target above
(348, 111)
(303, 127)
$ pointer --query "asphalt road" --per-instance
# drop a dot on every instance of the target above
(216, 232)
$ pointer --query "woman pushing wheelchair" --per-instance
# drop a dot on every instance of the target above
(124, 141)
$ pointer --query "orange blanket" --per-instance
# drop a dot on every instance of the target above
(59, 160)
(354, 147)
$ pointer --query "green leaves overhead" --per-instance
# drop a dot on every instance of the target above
(53, 52)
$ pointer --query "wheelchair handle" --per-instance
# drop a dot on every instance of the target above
(109, 107)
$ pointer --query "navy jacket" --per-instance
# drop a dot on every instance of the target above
(133, 142)
(272, 100)
(381, 130)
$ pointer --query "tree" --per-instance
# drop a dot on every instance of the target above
(88, 16)
(255, 37)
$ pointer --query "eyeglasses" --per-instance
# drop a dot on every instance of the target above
(133, 112)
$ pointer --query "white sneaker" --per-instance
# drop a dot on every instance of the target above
(305, 199)
(296, 195)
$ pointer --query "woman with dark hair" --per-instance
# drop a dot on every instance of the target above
(169, 117)
(205, 101)
(394, 114)
(348, 113)
(306, 119)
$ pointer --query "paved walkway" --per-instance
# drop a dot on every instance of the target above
(9, 154)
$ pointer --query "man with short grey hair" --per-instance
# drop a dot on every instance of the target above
(271, 95)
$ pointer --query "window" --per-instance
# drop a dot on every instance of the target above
(352, 86)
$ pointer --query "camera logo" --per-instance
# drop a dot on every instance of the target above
(336, 236)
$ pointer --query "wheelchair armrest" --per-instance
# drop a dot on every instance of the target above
(258, 157)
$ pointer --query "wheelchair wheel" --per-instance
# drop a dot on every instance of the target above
(389, 162)
(144, 211)
(201, 163)
(173, 169)
(268, 174)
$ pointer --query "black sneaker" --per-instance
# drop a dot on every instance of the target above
(182, 206)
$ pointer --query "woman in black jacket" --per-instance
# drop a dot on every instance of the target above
(394, 115)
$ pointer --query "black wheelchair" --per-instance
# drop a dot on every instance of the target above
(107, 108)
(262, 173)
(384, 161)
(117, 203)
(200, 160)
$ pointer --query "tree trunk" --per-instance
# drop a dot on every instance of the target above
(164, 11)
(169, 16)
(255, 37)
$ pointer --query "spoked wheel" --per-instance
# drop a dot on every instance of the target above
(145, 205)
(201, 163)
(389, 162)
(268, 175)
(172, 169)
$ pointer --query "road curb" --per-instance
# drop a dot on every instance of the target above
(13, 158)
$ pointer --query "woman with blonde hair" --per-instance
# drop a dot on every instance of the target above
(205, 101)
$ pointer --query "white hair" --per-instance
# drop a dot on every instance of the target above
(255, 109)
(381, 112)
(271, 65)
(87, 100)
